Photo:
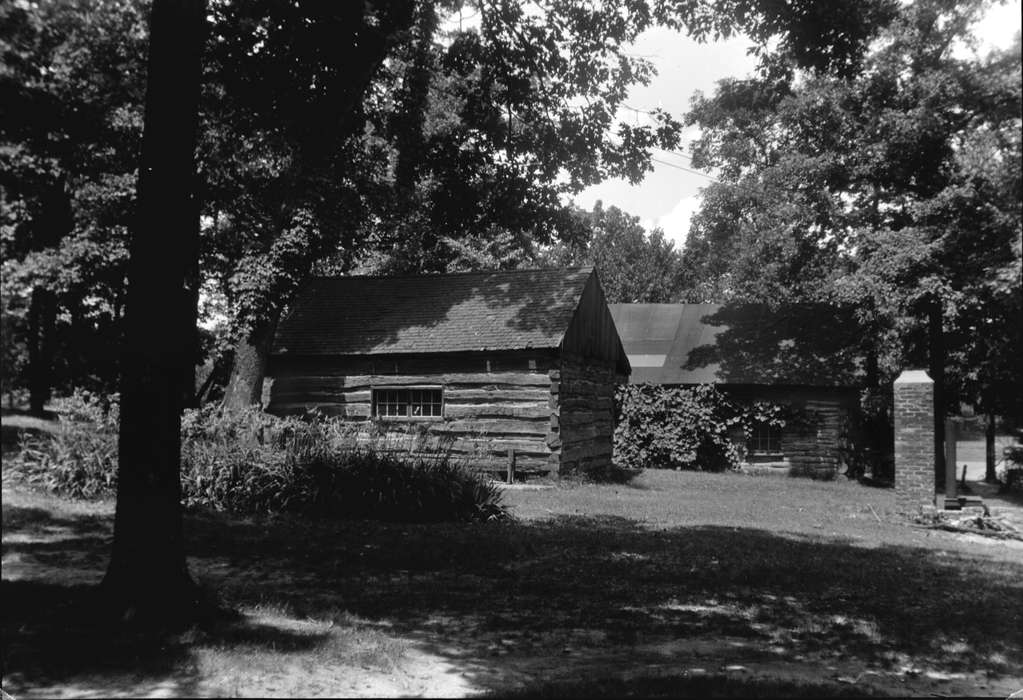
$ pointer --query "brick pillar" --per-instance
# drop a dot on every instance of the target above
(914, 441)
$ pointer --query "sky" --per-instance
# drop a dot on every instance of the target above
(669, 196)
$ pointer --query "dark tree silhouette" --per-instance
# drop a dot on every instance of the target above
(148, 579)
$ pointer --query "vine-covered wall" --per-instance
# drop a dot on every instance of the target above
(706, 428)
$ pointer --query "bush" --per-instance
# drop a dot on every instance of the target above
(251, 462)
(689, 427)
(675, 428)
(426, 490)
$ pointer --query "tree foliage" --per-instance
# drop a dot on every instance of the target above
(674, 428)
(633, 266)
(886, 190)
(71, 87)
(372, 136)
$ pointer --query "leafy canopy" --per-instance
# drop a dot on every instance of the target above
(885, 190)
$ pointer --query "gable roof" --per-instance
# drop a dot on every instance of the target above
(795, 344)
(501, 310)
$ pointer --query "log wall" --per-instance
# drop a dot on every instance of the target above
(810, 450)
(493, 402)
(582, 393)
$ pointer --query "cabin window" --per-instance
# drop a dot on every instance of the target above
(408, 402)
(765, 440)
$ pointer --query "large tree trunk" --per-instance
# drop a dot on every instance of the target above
(190, 395)
(148, 579)
(989, 450)
(245, 387)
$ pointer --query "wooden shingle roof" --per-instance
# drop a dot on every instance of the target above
(502, 310)
(748, 344)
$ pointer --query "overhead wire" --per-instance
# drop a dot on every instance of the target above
(668, 151)
(688, 170)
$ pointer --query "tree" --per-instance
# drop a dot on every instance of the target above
(442, 144)
(886, 190)
(71, 84)
(634, 267)
(148, 578)
(286, 82)
(475, 138)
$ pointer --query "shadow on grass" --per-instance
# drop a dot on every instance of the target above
(875, 483)
(53, 633)
(54, 628)
(531, 607)
(684, 686)
(32, 519)
(573, 589)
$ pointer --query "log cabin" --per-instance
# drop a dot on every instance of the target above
(515, 370)
(808, 357)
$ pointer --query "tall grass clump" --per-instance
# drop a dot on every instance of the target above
(424, 489)
(78, 457)
(250, 462)
(230, 461)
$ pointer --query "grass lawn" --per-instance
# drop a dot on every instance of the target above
(680, 584)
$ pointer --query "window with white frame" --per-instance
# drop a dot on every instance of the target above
(408, 402)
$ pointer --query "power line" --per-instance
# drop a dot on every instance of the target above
(633, 109)
(674, 153)
(688, 170)
(662, 150)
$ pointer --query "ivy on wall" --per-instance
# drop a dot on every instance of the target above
(690, 427)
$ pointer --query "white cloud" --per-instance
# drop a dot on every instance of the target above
(676, 222)
(999, 26)
(997, 29)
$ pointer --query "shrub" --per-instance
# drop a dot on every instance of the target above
(689, 427)
(425, 490)
(251, 462)
(675, 428)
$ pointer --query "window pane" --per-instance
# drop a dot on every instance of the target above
(765, 438)
(413, 403)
